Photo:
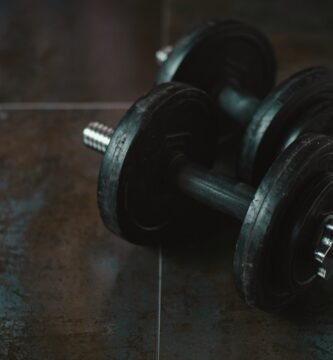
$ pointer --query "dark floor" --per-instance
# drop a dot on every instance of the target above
(68, 288)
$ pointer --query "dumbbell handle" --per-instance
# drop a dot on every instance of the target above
(237, 104)
(233, 198)
(218, 192)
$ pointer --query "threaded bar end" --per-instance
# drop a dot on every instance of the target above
(97, 136)
(163, 54)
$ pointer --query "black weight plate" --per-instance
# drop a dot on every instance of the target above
(136, 199)
(274, 258)
(221, 54)
(301, 104)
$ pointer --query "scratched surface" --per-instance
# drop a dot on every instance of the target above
(204, 318)
(68, 288)
(202, 314)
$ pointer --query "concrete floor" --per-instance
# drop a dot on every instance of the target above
(68, 288)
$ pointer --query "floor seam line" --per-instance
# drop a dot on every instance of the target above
(159, 302)
(164, 40)
(62, 106)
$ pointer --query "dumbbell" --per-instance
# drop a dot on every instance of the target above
(156, 170)
(235, 64)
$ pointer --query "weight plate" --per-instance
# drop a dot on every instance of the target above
(274, 259)
(301, 104)
(136, 198)
(221, 54)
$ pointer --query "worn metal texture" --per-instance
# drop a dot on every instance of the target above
(204, 318)
(68, 288)
(202, 315)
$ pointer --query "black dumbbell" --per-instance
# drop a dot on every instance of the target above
(234, 63)
(156, 169)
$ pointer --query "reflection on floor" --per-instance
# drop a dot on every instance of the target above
(68, 288)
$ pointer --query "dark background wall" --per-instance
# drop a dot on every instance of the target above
(104, 50)
(69, 289)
